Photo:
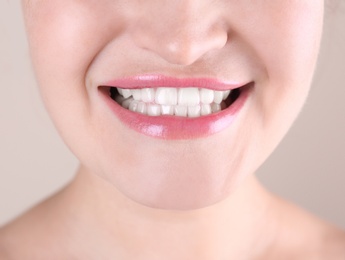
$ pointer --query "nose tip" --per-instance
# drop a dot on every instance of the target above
(181, 45)
(187, 49)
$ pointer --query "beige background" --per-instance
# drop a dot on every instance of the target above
(307, 168)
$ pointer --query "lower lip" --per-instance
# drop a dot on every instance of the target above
(179, 128)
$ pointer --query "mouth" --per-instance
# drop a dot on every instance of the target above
(177, 109)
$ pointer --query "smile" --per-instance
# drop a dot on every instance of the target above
(171, 108)
(183, 102)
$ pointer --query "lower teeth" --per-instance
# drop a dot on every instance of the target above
(153, 109)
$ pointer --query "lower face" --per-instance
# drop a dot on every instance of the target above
(172, 108)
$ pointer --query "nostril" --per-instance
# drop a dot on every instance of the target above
(188, 51)
(182, 44)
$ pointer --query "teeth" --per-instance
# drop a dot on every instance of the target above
(215, 108)
(136, 94)
(119, 99)
(166, 96)
(194, 111)
(167, 110)
(141, 108)
(126, 93)
(183, 102)
(218, 97)
(148, 94)
(181, 111)
(126, 103)
(226, 94)
(206, 110)
(188, 96)
(153, 110)
(206, 96)
(133, 106)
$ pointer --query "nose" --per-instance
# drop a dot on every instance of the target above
(180, 32)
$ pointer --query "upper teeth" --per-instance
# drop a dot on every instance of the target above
(174, 96)
(179, 101)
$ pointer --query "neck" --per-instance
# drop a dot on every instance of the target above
(241, 224)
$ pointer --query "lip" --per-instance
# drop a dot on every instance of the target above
(173, 127)
(142, 81)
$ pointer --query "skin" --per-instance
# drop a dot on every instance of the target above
(74, 51)
(132, 196)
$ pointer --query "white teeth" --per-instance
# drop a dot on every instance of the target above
(181, 111)
(148, 95)
(133, 106)
(215, 108)
(153, 110)
(226, 94)
(184, 102)
(188, 96)
(126, 93)
(166, 96)
(141, 108)
(205, 109)
(194, 111)
(167, 110)
(206, 96)
(218, 97)
(136, 94)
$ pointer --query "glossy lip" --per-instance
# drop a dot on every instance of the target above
(155, 81)
(174, 127)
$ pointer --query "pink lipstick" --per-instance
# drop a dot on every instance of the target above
(196, 107)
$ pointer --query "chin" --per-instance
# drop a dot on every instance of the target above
(177, 190)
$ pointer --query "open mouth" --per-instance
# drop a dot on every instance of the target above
(168, 101)
(173, 108)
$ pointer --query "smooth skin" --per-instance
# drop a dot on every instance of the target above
(136, 197)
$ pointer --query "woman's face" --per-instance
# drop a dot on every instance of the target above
(183, 154)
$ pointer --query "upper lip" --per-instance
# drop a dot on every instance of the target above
(156, 80)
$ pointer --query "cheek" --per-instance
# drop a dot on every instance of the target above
(64, 38)
(62, 45)
(292, 56)
(286, 37)
(288, 45)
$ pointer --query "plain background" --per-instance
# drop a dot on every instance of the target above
(308, 167)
